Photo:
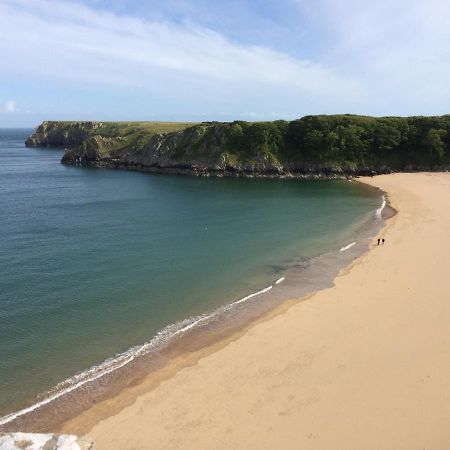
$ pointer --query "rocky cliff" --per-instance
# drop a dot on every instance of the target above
(197, 150)
(314, 146)
(61, 134)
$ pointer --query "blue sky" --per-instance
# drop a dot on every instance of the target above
(221, 60)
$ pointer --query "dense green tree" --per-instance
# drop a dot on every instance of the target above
(434, 143)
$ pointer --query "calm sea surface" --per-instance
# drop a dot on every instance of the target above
(94, 261)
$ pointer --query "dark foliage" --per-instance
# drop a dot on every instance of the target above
(347, 140)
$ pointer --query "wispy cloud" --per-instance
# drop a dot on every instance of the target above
(399, 49)
(70, 41)
(9, 107)
(115, 58)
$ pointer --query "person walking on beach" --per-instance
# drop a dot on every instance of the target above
(382, 241)
(379, 241)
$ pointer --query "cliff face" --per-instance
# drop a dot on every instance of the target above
(199, 150)
(61, 134)
(314, 146)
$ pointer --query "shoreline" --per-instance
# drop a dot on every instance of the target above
(312, 172)
(315, 173)
(190, 352)
(362, 365)
(45, 415)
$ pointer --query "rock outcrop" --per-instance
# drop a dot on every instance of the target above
(199, 150)
(48, 441)
(61, 134)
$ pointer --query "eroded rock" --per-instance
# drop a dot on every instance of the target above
(43, 441)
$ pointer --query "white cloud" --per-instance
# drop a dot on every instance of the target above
(9, 106)
(67, 41)
(399, 49)
(384, 57)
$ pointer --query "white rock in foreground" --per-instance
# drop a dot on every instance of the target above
(35, 441)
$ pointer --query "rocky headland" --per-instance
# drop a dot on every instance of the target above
(314, 146)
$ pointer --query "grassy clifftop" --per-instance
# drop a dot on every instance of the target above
(325, 144)
(70, 133)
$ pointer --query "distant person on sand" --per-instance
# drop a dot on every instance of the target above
(379, 241)
(382, 241)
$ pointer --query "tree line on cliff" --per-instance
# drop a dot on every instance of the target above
(336, 143)
(347, 139)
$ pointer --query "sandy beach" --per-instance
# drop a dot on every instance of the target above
(364, 365)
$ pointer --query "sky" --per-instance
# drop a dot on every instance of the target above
(221, 60)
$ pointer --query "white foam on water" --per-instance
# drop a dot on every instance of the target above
(237, 302)
(280, 280)
(380, 209)
(160, 340)
(343, 249)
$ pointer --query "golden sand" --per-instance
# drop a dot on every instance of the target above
(364, 365)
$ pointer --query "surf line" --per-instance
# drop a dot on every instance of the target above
(121, 361)
(343, 249)
(280, 280)
(380, 209)
(262, 291)
(13, 416)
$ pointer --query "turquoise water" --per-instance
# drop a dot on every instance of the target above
(94, 261)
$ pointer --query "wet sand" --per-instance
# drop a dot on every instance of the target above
(362, 365)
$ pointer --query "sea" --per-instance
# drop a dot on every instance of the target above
(102, 268)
